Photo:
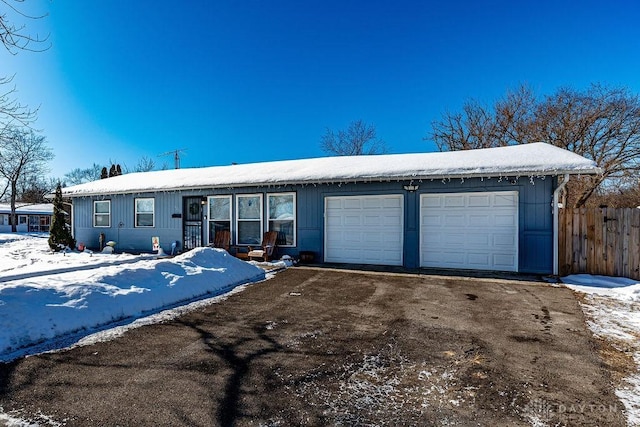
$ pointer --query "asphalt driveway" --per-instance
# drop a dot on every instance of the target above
(322, 347)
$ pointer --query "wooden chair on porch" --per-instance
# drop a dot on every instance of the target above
(222, 239)
(267, 247)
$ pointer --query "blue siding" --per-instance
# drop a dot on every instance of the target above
(535, 220)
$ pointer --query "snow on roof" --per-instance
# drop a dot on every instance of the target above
(522, 160)
(28, 209)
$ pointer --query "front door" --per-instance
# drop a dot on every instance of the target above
(191, 222)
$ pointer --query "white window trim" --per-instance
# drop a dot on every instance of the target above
(94, 214)
(209, 219)
(26, 219)
(295, 216)
(135, 212)
(238, 220)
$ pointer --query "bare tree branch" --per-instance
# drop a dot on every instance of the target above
(12, 113)
(358, 139)
(14, 37)
(600, 123)
(145, 164)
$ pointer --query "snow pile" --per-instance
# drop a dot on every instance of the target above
(24, 255)
(612, 305)
(78, 298)
(617, 287)
(518, 160)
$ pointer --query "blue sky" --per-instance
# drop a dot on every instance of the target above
(249, 81)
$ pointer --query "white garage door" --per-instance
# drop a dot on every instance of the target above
(476, 231)
(364, 229)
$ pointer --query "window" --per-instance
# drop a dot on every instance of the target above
(102, 213)
(219, 214)
(145, 212)
(45, 223)
(34, 223)
(282, 217)
(4, 219)
(22, 220)
(249, 219)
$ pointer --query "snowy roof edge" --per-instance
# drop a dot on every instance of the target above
(28, 208)
(334, 181)
(535, 159)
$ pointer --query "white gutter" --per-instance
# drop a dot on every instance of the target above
(556, 223)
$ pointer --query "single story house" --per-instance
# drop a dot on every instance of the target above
(31, 217)
(489, 209)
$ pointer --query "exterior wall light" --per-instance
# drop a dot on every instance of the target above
(411, 187)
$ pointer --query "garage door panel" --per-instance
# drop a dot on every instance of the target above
(434, 201)
(351, 236)
(334, 220)
(478, 260)
(334, 204)
(452, 239)
(453, 201)
(451, 259)
(453, 219)
(352, 220)
(395, 202)
(433, 239)
(372, 220)
(395, 258)
(502, 220)
(505, 240)
(371, 238)
(370, 229)
(503, 260)
(479, 239)
(351, 203)
(431, 220)
(505, 200)
(395, 219)
(370, 254)
(334, 236)
(371, 203)
(479, 201)
(469, 230)
(478, 220)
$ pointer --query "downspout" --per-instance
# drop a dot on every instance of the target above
(556, 222)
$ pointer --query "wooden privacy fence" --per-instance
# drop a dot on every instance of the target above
(603, 241)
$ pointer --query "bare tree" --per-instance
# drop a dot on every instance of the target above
(14, 37)
(80, 176)
(34, 188)
(97, 171)
(23, 153)
(359, 138)
(623, 194)
(145, 164)
(600, 123)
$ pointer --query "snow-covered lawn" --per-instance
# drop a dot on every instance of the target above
(612, 308)
(48, 297)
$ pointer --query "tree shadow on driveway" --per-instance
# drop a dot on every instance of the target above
(320, 347)
(238, 354)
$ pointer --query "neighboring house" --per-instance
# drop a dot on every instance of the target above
(490, 209)
(31, 218)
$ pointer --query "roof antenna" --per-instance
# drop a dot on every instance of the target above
(176, 156)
